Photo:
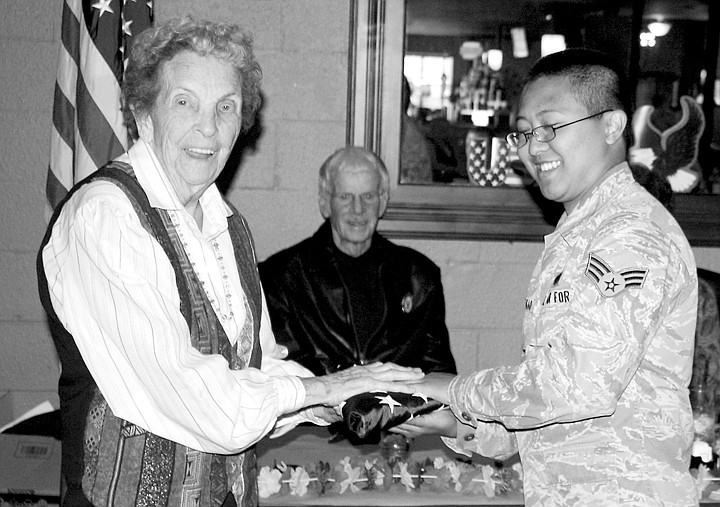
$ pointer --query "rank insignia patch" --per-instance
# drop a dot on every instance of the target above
(610, 283)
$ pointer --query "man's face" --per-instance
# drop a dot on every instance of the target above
(354, 208)
(567, 167)
(195, 121)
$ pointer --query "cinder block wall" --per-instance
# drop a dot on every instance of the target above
(302, 46)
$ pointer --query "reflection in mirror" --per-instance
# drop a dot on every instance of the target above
(464, 61)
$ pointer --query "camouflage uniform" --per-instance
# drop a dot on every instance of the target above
(598, 408)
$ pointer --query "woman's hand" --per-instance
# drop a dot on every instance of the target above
(334, 388)
(442, 423)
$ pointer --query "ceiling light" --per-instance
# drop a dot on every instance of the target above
(551, 43)
(659, 28)
(494, 59)
(519, 40)
(470, 50)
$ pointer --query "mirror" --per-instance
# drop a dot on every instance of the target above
(462, 98)
(464, 61)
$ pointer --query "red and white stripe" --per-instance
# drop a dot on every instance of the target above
(88, 126)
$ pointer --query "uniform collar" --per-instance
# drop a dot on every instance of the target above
(605, 190)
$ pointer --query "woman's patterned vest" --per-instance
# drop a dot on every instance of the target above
(110, 461)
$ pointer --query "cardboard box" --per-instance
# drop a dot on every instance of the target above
(29, 470)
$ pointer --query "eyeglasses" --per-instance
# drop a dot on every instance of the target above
(543, 133)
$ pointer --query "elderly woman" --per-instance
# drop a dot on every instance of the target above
(170, 371)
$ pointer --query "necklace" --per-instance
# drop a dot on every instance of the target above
(226, 283)
(228, 314)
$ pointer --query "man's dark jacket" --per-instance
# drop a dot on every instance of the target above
(308, 305)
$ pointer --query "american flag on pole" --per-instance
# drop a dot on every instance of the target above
(88, 127)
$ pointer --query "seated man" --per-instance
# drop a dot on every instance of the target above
(347, 295)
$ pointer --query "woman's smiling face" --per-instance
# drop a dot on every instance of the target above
(195, 121)
(567, 167)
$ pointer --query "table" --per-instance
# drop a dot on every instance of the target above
(310, 444)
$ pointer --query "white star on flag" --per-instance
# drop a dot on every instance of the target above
(103, 6)
(389, 401)
(421, 396)
(126, 27)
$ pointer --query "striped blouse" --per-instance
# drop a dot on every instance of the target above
(114, 289)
